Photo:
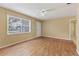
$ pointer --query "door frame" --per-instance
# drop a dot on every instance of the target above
(38, 29)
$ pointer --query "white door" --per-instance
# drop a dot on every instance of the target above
(38, 28)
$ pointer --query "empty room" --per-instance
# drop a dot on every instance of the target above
(39, 29)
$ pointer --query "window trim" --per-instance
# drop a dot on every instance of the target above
(8, 32)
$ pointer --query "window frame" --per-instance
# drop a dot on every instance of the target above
(9, 32)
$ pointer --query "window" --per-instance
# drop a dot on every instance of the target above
(17, 25)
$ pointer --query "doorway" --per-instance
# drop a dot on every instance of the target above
(73, 30)
(38, 28)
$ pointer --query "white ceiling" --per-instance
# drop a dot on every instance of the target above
(34, 9)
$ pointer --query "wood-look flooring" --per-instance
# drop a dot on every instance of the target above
(41, 47)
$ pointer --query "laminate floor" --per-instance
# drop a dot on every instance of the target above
(41, 46)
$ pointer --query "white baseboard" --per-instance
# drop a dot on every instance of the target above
(16, 42)
(56, 37)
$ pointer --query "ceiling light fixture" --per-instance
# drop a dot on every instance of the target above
(43, 12)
